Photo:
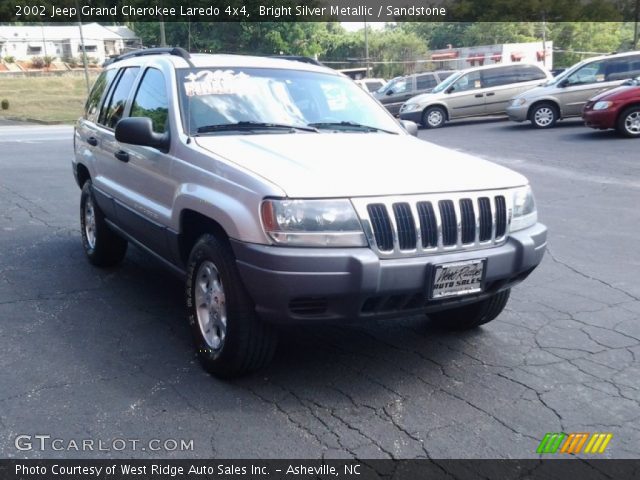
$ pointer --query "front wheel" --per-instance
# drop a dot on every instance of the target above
(434, 117)
(473, 315)
(230, 339)
(629, 122)
(544, 115)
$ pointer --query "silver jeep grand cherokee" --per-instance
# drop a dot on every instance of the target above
(283, 192)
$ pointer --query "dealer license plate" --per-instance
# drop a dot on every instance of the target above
(457, 278)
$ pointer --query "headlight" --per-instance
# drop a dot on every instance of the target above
(410, 107)
(312, 223)
(518, 102)
(602, 105)
(524, 209)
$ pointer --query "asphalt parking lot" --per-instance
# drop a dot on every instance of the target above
(106, 354)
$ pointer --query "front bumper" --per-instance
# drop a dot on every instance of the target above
(519, 113)
(414, 116)
(350, 284)
(600, 119)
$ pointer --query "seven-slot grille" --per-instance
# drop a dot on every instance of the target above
(402, 226)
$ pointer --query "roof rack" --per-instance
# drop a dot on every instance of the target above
(177, 51)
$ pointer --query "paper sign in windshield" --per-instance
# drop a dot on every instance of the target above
(219, 82)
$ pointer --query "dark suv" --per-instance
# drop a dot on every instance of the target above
(401, 89)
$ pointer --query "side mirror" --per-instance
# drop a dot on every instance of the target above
(389, 92)
(450, 89)
(139, 131)
(410, 127)
(563, 83)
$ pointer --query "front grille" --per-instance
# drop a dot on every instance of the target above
(415, 225)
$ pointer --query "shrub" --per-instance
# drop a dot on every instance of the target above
(71, 61)
(37, 62)
(48, 60)
(5, 104)
(9, 59)
(92, 61)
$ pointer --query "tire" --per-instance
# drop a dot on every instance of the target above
(629, 122)
(544, 115)
(434, 117)
(473, 315)
(230, 340)
(103, 247)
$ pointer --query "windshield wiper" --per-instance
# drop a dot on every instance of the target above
(348, 125)
(251, 125)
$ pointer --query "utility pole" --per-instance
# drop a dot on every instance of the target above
(366, 49)
(163, 38)
(84, 53)
(544, 40)
(635, 28)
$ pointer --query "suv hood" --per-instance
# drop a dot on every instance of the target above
(330, 165)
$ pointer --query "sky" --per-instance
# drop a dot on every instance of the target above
(354, 26)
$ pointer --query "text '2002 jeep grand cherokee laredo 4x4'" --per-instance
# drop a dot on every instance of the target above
(283, 192)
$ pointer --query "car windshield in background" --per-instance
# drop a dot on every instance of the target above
(217, 100)
(446, 83)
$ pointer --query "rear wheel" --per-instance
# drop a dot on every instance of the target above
(103, 247)
(629, 122)
(544, 115)
(473, 315)
(230, 339)
(434, 117)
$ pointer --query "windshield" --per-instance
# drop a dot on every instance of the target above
(274, 98)
(446, 83)
(564, 74)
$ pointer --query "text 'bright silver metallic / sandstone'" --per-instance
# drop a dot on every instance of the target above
(282, 192)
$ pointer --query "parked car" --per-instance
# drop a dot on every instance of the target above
(238, 174)
(566, 95)
(473, 92)
(371, 85)
(618, 108)
(401, 89)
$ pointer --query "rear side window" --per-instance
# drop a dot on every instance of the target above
(496, 77)
(151, 100)
(529, 73)
(623, 68)
(425, 82)
(113, 108)
(92, 106)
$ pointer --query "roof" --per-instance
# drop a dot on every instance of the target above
(90, 31)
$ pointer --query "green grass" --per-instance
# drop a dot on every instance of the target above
(49, 99)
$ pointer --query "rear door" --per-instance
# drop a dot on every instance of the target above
(504, 83)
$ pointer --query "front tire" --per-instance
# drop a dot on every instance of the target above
(230, 339)
(473, 315)
(103, 247)
(544, 115)
(629, 122)
(434, 117)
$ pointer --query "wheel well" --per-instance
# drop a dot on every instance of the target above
(637, 104)
(439, 105)
(82, 174)
(192, 226)
(540, 102)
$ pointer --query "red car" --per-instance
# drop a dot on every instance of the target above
(618, 108)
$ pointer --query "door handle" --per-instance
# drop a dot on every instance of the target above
(92, 141)
(490, 94)
(122, 156)
(479, 95)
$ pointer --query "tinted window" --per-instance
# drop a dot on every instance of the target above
(151, 100)
(529, 73)
(499, 76)
(93, 102)
(470, 81)
(623, 68)
(113, 109)
(425, 82)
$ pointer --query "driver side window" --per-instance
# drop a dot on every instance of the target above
(590, 73)
(470, 81)
(399, 86)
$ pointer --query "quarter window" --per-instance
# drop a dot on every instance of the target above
(113, 108)
(151, 100)
(93, 102)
